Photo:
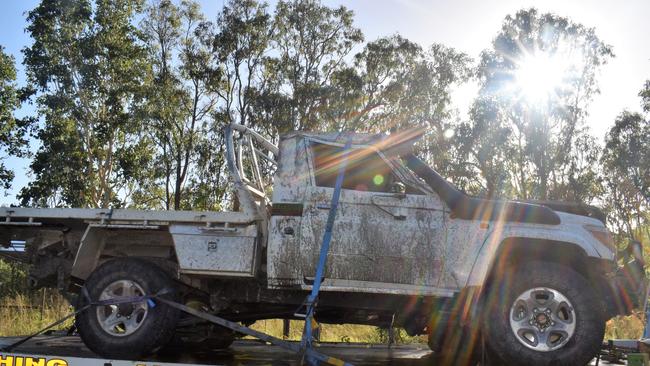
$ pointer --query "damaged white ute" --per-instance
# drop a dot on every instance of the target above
(535, 280)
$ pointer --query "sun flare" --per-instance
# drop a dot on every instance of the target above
(539, 76)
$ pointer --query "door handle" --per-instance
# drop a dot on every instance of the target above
(395, 216)
(313, 209)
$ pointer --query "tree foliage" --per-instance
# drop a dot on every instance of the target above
(312, 42)
(543, 134)
(181, 98)
(13, 130)
(133, 97)
(89, 67)
(626, 170)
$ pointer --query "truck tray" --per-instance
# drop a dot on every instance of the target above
(70, 351)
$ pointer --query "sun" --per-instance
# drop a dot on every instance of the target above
(537, 76)
(540, 76)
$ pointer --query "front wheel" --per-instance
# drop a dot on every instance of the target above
(544, 314)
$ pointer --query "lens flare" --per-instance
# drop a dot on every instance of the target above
(378, 179)
(538, 76)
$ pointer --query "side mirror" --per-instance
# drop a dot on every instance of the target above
(398, 188)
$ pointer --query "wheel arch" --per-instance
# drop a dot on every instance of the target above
(507, 244)
(99, 244)
(515, 251)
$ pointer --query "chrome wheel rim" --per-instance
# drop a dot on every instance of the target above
(123, 319)
(542, 319)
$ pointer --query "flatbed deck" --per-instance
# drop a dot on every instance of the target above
(243, 352)
(25, 216)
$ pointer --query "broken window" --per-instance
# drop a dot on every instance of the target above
(366, 170)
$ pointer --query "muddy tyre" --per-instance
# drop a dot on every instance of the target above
(127, 331)
(544, 314)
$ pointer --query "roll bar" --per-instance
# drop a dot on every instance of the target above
(245, 153)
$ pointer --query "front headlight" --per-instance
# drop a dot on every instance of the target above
(602, 235)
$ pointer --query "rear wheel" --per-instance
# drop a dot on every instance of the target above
(544, 314)
(127, 331)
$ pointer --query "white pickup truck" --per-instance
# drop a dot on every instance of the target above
(537, 281)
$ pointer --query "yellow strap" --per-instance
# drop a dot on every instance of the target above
(335, 361)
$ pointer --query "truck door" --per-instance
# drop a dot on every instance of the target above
(388, 235)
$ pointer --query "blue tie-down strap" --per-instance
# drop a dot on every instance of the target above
(312, 299)
(124, 299)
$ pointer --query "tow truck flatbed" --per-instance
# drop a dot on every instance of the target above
(243, 352)
(70, 351)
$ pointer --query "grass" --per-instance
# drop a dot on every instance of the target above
(22, 315)
(625, 327)
(346, 333)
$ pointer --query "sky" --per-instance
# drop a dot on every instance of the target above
(467, 25)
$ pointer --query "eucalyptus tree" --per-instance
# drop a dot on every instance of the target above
(240, 41)
(310, 44)
(181, 97)
(645, 96)
(88, 66)
(541, 72)
(396, 84)
(384, 68)
(626, 171)
(427, 101)
(233, 50)
(13, 131)
(485, 150)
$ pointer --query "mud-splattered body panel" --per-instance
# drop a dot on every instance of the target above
(382, 241)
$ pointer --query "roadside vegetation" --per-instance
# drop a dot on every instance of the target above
(22, 314)
(626, 327)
